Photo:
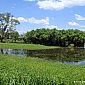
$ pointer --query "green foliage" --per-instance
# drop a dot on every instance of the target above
(14, 35)
(56, 37)
(7, 21)
(33, 71)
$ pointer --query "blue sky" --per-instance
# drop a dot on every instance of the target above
(33, 14)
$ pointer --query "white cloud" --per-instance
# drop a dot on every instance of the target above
(41, 21)
(73, 24)
(51, 26)
(60, 4)
(34, 20)
(79, 17)
(21, 19)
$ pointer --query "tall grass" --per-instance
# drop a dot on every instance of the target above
(33, 71)
(25, 46)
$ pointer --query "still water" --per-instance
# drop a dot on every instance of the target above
(64, 55)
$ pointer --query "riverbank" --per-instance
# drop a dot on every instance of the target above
(33, 71)
(25, 46)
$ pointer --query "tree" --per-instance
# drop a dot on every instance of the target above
(7, 21)
(56, 37)
(14, 35)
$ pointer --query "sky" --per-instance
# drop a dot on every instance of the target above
(34, 14)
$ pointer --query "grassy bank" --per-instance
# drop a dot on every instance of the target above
(33, 71)
(25, 46)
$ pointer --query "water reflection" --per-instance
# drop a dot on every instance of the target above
(19, 52)
(65, 55)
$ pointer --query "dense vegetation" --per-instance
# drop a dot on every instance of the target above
(56, 37)
(32, 71)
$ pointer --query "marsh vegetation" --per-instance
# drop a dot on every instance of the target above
(16, 70)
(49, 44)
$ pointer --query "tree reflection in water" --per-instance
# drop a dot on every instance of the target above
(65, 55)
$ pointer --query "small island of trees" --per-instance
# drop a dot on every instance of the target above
(56, 37)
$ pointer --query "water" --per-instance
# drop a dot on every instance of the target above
(64, 55)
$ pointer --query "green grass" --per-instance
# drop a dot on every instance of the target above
(25, 46)
(33, 71)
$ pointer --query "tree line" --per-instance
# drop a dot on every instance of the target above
(56, 37)
(39, 36)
